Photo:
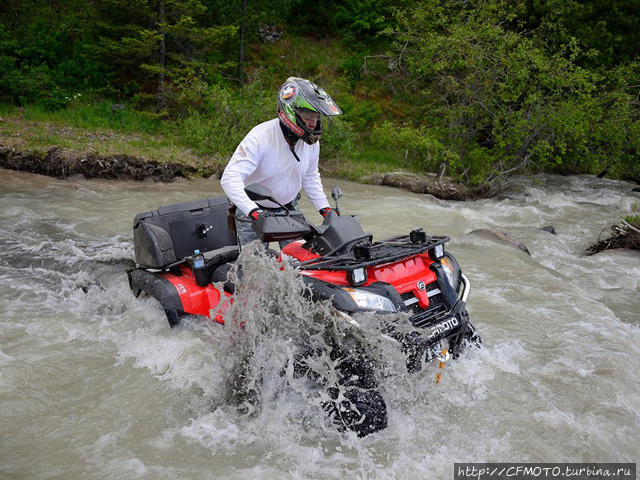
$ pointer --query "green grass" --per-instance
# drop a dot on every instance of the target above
(88, 115)
(91, 129)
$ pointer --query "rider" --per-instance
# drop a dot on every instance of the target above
(272, 155)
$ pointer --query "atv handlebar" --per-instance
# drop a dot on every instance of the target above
(279, 227)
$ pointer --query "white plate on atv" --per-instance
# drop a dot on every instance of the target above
(444, 326)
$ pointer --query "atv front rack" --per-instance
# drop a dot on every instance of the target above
(367, 254)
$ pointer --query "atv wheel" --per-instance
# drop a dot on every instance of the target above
(360, 408)
(361, 411)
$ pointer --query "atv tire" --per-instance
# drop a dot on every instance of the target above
(361, 411)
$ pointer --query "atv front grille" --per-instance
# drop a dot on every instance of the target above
(411, 302)
(435, 312)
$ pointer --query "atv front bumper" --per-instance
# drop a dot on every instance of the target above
(431, 329)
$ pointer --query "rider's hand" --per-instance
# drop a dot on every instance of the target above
(324, 211)
(255, 214)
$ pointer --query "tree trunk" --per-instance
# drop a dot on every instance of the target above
(241, 53)
(161, 98)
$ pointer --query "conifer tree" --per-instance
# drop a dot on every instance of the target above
(155, 46)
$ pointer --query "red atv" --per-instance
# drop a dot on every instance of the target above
(182, 250)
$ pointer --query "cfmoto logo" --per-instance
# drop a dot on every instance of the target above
(421, 285)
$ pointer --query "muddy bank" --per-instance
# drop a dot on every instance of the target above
(57, 162)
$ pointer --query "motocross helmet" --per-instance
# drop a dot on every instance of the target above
(298, 95)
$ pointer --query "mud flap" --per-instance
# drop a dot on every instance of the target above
(159, 288)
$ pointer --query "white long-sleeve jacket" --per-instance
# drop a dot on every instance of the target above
(264, 157)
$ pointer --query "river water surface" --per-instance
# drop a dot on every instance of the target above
(94, 383)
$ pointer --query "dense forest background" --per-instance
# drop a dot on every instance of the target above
(472, 89)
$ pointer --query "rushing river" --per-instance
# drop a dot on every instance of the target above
(94, 383)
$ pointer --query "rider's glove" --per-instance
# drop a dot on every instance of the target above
(255, 214)
(324, 211)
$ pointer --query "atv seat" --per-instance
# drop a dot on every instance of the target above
(214, 258)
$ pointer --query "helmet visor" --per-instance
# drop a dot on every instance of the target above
(323, 103)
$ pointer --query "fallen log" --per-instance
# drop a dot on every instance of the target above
(443, 188)
(624, 234)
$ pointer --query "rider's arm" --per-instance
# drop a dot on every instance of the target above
(313, 185)
(243, 162)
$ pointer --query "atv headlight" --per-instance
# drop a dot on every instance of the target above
(452, 270)
(371, 301)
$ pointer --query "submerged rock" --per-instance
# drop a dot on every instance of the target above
(504, 237)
